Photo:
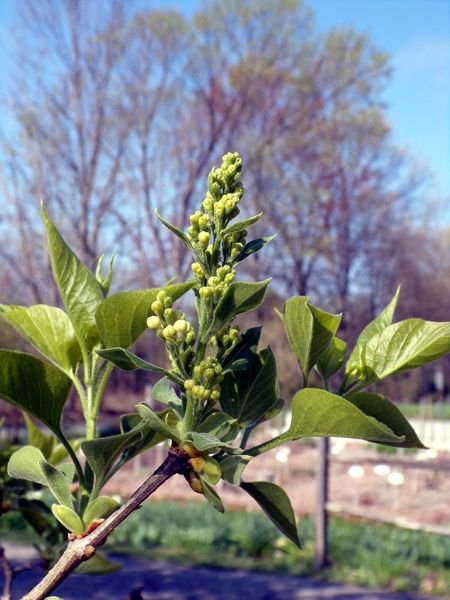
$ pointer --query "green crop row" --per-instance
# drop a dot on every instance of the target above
(361, 553)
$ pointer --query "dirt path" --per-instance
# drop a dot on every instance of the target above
(165, 581)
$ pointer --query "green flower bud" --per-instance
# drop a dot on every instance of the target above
(188, 384)
(194, 219)
(208, 203)
(215, 395)
(209, 374)
(161, 296)
(203, 222)
(203, 238)
(205, 293)
(153, 322)
(190, 337)
(168, 314)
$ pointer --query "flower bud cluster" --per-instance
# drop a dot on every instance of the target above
(217, 284)
(199, 231)
(205, 383)
(224, 190)
(233, 244)
(171, 325)
(227, 338)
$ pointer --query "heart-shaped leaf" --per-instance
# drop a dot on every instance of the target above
(205, 442)
(221, 425)
(405, 345)
(242, 355)
(45, 443)
(80, 291)
(317, 413)
(232, 468)
(381, 409)
(309, 330)
(102, 453)
(332, 359)
(248, 395)
(277, 506)
(57, 483)
(163, 392)
(25, 463)
(127, 361)
(383, 320)
(49, 330)
(156, 423)
(239, 297)
(34, 386)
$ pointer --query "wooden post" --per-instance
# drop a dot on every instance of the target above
(322, 478)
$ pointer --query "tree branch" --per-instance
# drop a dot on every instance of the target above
(80, 550)
(8, 574)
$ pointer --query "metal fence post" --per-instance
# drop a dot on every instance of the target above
(322, 477)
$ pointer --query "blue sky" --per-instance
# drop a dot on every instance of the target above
(416, 34)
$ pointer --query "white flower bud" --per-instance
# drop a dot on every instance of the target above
(153, 322)
(181, 326)
(169, 332)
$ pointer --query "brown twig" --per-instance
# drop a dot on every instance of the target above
(8, 573)
(82, 549)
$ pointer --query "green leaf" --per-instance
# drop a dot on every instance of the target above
(69, 518)
(49, 330)
(405, 345)
(80, 291)
(149, 437)
(96, 565)
(25, 463)
(127, 361)
(122, 318)
(383, 320)
(180, 234)
(156, 423)
(248, 395)
(58, 484)
(240, 225)
(212, 496)
(232, 468)
(104, 280)
(101, 453)
(220, 425)
(163, 392)
(242, 355)
(45, 443)
(385, 412)
(254, 246)
(332, 359)
(34, 386)
(317, 413)
(309, 330)
(205, 442)
(277, 506)
(239, 297)
(100, 508)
